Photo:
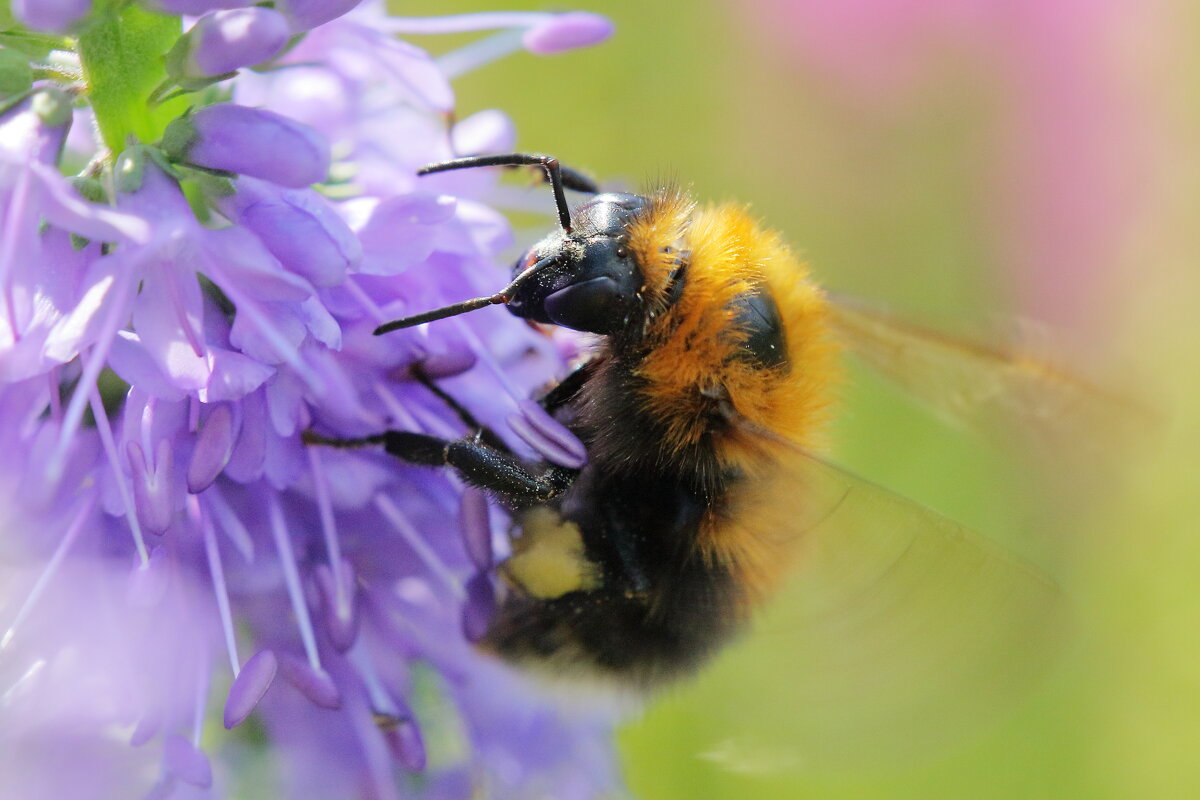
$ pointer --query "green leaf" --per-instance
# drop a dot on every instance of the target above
(122, 56)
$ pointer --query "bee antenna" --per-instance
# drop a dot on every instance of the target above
(557, 176)
(502, 296)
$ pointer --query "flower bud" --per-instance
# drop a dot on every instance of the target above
(50, 15)
(249, 141)
(307, 14)
(223, 42)
(192, 8)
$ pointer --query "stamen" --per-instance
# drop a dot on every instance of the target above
(465, 23)
(175, 295)
(249, 687)
(476, 527)
(481, 52)
(363, 299)
(217, 573)
(342, 628)
(479, 608)
(187, 762)
(329, 531)
(291, 576)
(419, 546)
(148, 582)
(231, 524)
(152, 485)
(214, 447)
(393, 718)
(55, 378)
(60, 552)
(248, 306)
(382, 701)
(110, 450)
(202, 677)
(91, 371)
(15, 214)
(485, 355)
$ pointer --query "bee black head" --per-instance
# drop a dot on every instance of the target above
(593, 282)
(581, 276)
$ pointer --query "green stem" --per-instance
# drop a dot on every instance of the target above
(122, 57)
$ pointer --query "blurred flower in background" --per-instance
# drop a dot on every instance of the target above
(173, 316)
(1067, 151)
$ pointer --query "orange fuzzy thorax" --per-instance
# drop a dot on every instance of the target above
(694, 344)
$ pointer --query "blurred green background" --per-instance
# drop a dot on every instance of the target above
(962, 162)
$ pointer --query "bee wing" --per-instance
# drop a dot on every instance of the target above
(974, 383)
(899, 630)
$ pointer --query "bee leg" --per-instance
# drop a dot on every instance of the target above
(474, 461)
(569, 387)
(483, 432)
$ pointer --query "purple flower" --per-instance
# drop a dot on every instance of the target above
(249, 141)
(50, 15)
(223, 42)
(172, 321)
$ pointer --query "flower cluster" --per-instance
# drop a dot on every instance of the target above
(173, 318)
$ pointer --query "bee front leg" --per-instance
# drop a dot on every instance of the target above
(478, 463)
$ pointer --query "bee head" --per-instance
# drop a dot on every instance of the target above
(592, 281)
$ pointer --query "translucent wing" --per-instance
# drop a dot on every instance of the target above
(979, 384)
(898, 631)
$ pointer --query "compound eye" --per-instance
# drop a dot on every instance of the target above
(598, 305)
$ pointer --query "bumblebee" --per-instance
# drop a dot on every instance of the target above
(702, 410)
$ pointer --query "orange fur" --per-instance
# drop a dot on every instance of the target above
(693, 343)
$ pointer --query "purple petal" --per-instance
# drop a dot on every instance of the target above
(321, 324)
(192, 8)
(567, 31)
(187, 762)
(50, 15)
(548, 436)
(214, 446)
(37, 126)
(449, 362)
(487, 131)
(401, 231)
(61, 205)
(406, 745)
(476, 527)
(233, 376)
(286, 324)
(225, 41)
(307, 14)
(133, 364)
(340, 615)
(250, 141)
(314, 684)
(242, 256)
(148, 582)
(167, 315)
(298, 227)
(479, 608)
(249, 686)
